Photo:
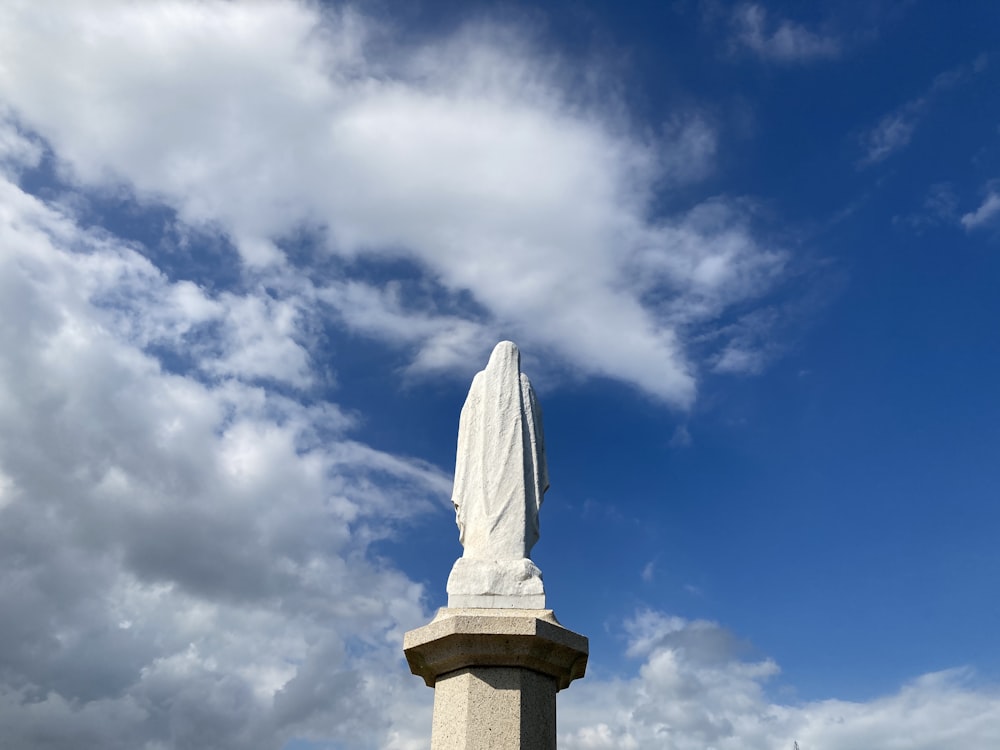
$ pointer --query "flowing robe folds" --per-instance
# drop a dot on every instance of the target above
(500, 479)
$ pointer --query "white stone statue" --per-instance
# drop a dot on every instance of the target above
(500, 478)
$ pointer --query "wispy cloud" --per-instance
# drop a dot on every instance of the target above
(748, 344)
(940, 206)
(987, 213)
(779, 40)
(894, 131)
(648, 572)
(681, 437)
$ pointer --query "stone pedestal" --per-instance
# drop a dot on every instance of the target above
(495, 673)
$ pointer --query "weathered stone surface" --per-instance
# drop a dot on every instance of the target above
(528, 638)
(494, 708)
(500, 479)
(495, 584)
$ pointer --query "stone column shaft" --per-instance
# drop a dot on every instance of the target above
(494, 708)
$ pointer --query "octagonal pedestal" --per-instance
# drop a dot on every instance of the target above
(495, 673)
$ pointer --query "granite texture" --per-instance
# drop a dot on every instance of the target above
(494, 708)
(529, 638)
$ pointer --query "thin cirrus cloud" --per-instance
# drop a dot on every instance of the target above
(467, 157)
(892, 133)
(782, 40)
(894, 130)
(987, 212)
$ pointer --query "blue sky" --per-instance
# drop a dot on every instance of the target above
(251, 255)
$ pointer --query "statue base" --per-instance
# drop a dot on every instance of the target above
(495, 584)
(495, 676)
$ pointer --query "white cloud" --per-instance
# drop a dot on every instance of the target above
(477, 158)
(749, 340)
(17, 151)
(894, 131)
(179, 563)
(693, 691)
(988, 211)
(781, 41)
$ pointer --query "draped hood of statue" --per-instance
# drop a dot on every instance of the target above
(500, 478)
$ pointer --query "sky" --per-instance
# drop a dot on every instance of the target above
(252, 254)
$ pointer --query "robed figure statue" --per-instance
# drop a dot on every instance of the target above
(500, 479)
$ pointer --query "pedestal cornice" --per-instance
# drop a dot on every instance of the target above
(477, 637)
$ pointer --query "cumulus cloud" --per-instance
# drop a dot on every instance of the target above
(782, 40)
(694, 689)
(179, 560)
(476, 158)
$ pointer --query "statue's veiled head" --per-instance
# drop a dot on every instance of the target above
(505, 361)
